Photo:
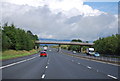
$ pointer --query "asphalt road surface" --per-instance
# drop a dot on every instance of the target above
(108, 58)
(56, 66)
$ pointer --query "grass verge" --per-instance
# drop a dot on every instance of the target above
(9, 54)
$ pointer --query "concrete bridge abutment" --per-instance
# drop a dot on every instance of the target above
(59, 48)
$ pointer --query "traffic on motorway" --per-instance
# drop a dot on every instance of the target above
(43, 54)
(57, 65)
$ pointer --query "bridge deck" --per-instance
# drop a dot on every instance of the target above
(65, 43)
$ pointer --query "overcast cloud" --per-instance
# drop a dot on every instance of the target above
(59, 19)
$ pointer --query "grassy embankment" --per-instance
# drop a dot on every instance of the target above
(9, 54)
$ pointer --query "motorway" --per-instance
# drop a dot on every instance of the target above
(101, 57)
(56, 66)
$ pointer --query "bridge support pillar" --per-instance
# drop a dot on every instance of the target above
(59, 48)
(36, 47)
(81, 49)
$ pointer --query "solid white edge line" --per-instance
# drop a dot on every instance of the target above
(98, 61)
(112, 76)
(16, 63)
(31, 58)
(43, 76)
(12, 64)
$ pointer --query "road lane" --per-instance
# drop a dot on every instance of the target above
(10, 61)
(32, 69)
(61, 68)
(102, 67)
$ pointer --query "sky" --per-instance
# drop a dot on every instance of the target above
(63, 19)
(109, 7)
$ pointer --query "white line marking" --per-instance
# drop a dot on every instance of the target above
(17, 63)
(72, 60)
(12, 64)
(30, 58)
(88, 67)
(46, 67)
(48, 60)
(43, 76)
(97, 71)
(98, 61)
(78, 63)
(112, 76)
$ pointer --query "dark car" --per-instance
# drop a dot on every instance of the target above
(43, 54)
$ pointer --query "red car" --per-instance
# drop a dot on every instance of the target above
(43, 53)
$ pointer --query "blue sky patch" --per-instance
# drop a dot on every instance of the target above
(109, 7)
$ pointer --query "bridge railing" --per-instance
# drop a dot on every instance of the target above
(63, 42)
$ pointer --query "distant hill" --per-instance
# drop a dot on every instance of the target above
(45, 39)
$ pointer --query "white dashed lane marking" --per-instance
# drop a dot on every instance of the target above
(46, 67)
(112, 76)
(43, 76)
(89, 67)
(97, 71)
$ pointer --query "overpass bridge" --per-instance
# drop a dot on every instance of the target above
(64, 43)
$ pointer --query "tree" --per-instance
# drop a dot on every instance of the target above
(108, 45)
(76, 40)
(17, 39)
(87, 41)
(6, 42)
(75, 47)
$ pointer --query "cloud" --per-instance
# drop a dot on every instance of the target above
(50, 20)
(102, 0)
(34, 3)
(69, 8)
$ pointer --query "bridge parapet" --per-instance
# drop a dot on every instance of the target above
(64, 43)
